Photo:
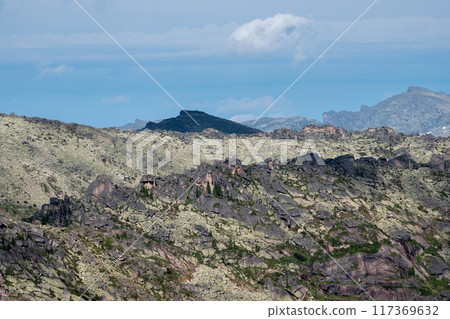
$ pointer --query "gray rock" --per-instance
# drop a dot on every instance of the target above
(435, 266)
(203, 231)
(445, 294)
(37, 232)
(100, 223)
(38, 239)
(252, 261)
(66, 294)
(402, 262)
(345, 164)
(351, 223)
(3, 222)
(139, 206)
(276, 186)
(307, 243)
(323, 214)
(400, 235)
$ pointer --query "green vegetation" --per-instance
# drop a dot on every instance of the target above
(217, 191)
(368, 248)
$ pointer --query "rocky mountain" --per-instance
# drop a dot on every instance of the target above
(416, 111)
(269, 124)
(184, 123)
(137, 125)
(77, 223)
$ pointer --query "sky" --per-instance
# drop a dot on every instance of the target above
(228, 58)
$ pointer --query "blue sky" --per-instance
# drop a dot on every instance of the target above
(228, 58)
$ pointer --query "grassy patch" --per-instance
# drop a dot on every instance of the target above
(366, 248)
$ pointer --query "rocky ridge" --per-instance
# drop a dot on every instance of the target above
(416, 111)
(270, 124)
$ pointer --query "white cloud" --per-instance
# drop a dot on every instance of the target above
(56, 70)
(301, 37)
(283, 31)
(115, 99)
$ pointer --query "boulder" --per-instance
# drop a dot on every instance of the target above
(277, 187)
(203, 231)
(105, 192)
(344, 163)
(403, 162)
(435, 266)
(323, 214)
(400, 235)
(440, 162)
(3, 222)
(139, 206)
(351, 223)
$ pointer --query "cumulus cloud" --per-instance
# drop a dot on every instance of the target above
(115, 99)
(283, 31)
(300, 37)
(56, 70)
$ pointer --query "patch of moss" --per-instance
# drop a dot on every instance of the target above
(354, 248)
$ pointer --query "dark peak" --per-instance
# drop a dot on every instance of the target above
(183, 123)
(191, 112)
(417, 89)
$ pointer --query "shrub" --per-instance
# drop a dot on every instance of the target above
(217, 191)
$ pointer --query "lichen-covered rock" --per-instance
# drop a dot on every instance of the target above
(106, 191)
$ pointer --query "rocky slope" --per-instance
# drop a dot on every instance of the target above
(269, 124)
(42, 159)
(222, 230)
(233, 232)
(416, 111)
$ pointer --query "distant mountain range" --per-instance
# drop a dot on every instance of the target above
(416, 111)
(184, 123)
(269, 124)
(137, 125)
(265, 124)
